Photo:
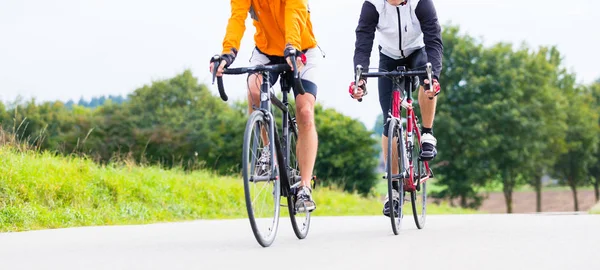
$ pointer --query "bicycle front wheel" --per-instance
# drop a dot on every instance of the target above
(261, 185)
(393, 161)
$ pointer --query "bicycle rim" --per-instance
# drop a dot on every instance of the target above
(262, 191)
(418, 198)
(300, 220)
(396, 213)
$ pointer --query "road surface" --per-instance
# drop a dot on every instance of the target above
(495, 241)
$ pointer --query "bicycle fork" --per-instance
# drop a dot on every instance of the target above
(397, 103)
(265, 107)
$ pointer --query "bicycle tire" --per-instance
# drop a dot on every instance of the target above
(418, 197)
(394, 135)
(302, 225)
(248, 165)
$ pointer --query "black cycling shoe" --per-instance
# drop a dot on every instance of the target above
(428, 151)
(395, 202)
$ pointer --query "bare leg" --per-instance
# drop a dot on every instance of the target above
(427, 108)
(254, 82)
(384, 146)
(306, 148)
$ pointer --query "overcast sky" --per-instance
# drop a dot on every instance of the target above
(65, 49)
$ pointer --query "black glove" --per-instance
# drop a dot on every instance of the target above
(363, 87)
(287, 53)
(435, 82)
(228, 57)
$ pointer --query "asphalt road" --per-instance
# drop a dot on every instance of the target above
(518, 241)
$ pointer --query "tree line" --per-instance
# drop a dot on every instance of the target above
(179, 122)
(96, 101)
(510, 115)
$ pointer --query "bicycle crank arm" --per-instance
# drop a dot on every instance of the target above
(256, 179)
(423, 179)
(398, 176)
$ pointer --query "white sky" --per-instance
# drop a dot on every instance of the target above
(65, 49)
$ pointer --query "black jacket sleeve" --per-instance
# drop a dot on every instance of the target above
(365, 34)
(432, 34)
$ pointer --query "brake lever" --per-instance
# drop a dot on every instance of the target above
(359, 69)
(216, 63)
(296, 74)
(429, 71)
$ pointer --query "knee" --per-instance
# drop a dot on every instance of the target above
(254, 84)
(305, 116)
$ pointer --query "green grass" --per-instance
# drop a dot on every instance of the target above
(595, 209)
(39, 191)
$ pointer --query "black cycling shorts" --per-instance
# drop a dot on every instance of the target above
(417, 59)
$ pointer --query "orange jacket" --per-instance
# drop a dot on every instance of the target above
(277, 23)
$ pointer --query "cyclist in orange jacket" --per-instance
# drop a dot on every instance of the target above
(281, 25)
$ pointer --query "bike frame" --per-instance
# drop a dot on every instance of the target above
(267, 99)
(407, 141)
(406, 138)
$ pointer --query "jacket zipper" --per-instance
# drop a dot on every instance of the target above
(400, 31)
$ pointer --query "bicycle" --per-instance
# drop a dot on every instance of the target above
(255, 171)
(402, 140)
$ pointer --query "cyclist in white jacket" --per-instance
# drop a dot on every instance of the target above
(409, 35)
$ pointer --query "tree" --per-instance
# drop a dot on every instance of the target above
(82, 102)
(378, 127)
(594, 169)
(346, 156)
(70, 104)
(377, 132)
(573, 166)
(97, 101)
(547, 102)
(37, 125)
(178, 120)
(459, 126)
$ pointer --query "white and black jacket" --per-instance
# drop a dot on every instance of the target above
(403, 30)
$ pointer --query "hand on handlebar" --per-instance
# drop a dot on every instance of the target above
(436, 88)
(300, 57)
(297, 59)
(219, 69)
(225, 60)
(358, 92)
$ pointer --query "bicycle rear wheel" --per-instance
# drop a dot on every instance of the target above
(300, 220)
(418, 198)
(261, 186)
(394, 158)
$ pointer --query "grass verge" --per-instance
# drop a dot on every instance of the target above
(41, 190)
(595, 209)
